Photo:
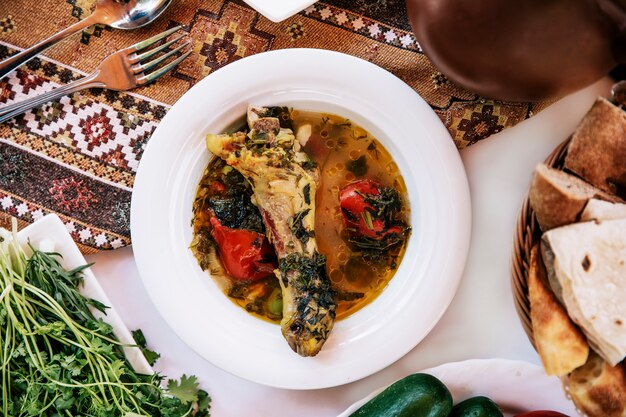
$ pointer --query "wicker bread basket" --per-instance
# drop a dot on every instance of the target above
(527, 233)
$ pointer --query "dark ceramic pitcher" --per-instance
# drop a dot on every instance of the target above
(521, 50)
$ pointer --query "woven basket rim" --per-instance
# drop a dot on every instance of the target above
(527, 234)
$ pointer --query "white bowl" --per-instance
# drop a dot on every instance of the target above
(279, 10)
(317, 80)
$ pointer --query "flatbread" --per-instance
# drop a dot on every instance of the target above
(590, 266)
(548, 261)
(598, 389)
(560, 344)
(603, 210)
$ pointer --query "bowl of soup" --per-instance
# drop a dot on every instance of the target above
(387, 229)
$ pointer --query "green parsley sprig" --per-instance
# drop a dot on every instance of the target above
(57, 359)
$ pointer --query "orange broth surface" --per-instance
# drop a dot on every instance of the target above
(344, 153)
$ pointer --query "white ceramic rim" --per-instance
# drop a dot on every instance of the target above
(279, 10)
(317, 80)
(516, 386)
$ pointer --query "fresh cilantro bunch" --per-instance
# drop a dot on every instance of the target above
(57, 359)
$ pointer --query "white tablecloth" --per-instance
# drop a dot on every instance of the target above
(481, 322)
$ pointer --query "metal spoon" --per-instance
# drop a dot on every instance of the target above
(119, 14)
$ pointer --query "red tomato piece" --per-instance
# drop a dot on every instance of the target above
(542, 413)
(246, 255)
(359, 214)
(217, 187)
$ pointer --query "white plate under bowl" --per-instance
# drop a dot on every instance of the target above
(316, 80)
(515, 386)
(279, 10)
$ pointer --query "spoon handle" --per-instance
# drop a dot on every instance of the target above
(18, 59)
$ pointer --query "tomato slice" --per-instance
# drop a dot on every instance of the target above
(217, 187)
(542, 413)
(360, 216)
(246, 255)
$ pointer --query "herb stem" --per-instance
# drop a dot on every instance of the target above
(57, 359)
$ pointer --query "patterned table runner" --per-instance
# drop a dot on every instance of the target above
(78, 157)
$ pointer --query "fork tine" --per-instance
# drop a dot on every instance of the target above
(157, 61)
(147, 42)
(144, 79)
(153, 51)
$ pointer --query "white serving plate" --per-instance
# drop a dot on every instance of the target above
(279, 10)
(50, 235)
(515, 386)
(426, 280)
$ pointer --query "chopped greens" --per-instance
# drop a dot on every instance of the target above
(283, 114)
(298, 229)
(233, 207)
(306, 192)
(367, 218)
(359, 133)
(348, 296)
(57, 359)
(307, 269)
(358, 167)
(378, 245)
(373, 149)
(387, 203)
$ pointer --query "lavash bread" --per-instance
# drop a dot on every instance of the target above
(584, 262)
(548, 259)
(598, 389)
(597, 151)
(589, 261)
(558, 198)
(603, 210)
(560, 344)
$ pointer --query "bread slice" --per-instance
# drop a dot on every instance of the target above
(590, 266)
(597, 152)
(598, 389)
(560, 344)
(603, 210)
(558, 198)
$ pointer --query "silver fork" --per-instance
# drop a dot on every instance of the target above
(121, 71)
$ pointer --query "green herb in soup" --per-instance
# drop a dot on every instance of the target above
(361, 218)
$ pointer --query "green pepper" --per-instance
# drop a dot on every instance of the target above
(417, 395)
(476, 407)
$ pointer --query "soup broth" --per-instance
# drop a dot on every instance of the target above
(344, 153)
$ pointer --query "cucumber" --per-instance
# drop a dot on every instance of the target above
(476, 407)
(417, 395)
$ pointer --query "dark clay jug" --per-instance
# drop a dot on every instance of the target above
(521, 50)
